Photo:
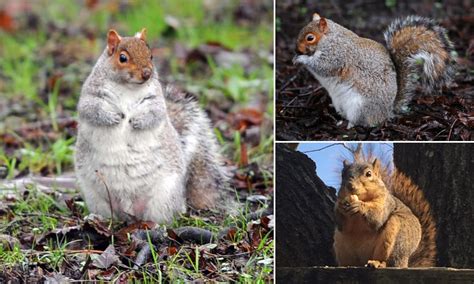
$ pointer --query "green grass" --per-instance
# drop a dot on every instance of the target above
(195, 28)
(51, 157)
(19, 65)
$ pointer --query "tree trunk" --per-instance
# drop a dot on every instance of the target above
(304, 215)
(445, 173)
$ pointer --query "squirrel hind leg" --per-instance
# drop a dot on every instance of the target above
(385, 243)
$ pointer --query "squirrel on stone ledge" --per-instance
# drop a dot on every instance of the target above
(382, 218)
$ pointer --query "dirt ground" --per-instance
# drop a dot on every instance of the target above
(303, 110)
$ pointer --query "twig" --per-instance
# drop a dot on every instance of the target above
(226, 255)
(325, 147)
(101, 177)
(87, 251)
(451, 129)
(290, 80)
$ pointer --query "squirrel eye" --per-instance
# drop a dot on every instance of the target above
(368, 174)
(151, 57)
(310, 38)
(123, 58)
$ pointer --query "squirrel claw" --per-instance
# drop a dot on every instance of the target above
(353, 208)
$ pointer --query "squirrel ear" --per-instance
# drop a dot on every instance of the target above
(323, 25)
(113, 39)
(376, 165)
(142, 34)
(316, 17)
(346, 163)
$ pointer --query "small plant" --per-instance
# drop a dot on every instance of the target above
(9, 163)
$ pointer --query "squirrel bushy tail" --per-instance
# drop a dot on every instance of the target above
(422, 53)
(411, 195)
(208, 178)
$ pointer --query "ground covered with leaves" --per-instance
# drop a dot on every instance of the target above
(219, 51)
(303, 110)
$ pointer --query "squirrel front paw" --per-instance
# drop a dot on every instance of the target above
(141, 122)
(300, 59)
(114, 118)
(137, 122)
(350, 205)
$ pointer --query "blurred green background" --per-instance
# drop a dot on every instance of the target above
(221, 51)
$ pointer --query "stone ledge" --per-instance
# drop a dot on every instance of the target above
(354, 275)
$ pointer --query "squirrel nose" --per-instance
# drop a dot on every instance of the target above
(146, 73)
(297, 51)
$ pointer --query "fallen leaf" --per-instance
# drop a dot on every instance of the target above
(106, 259)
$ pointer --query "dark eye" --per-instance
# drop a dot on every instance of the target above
(123, 58)
(368, 174)
(310, 38)
(151, 57)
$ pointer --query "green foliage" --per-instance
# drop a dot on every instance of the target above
(9, 163)
(56, 156)
(11, 257)
(195, 27)
(19, 66)
(391, 3)
(144, 14)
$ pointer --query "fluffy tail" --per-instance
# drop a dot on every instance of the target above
(411, 195)
(422, 53)
(208, 178)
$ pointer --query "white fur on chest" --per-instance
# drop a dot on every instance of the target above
(128, 98)
(113, 141)
(345, 98)
(114, 146)
(135, 163)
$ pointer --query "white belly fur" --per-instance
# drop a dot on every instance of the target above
(133, 172)
(347, 101)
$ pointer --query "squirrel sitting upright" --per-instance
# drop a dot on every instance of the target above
(368, 82)
(382, 219)
(142, 151)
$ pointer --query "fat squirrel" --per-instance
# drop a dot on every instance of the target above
(142, 150)
(382, 219)
(367, 82)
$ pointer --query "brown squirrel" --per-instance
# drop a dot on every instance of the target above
(368, 82)
(143, 152)
(382, 218)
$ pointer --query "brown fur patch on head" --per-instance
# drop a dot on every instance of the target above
(138, 55)
(363, 180)
(311, 34)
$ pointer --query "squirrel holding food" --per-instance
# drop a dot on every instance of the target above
(382, 218)
(367, 82)
(143, 152)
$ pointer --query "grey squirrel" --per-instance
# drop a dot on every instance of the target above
(145, 151)
(382, 218)
(367, 82)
